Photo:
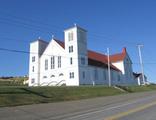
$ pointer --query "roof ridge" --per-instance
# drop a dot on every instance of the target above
(61, 43)
(97, 52)
(118, 56)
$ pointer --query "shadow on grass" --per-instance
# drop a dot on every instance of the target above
(22, 91)
(125, 88)
(35, 93)
(14, 93)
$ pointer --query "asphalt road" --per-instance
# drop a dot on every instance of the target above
(136, 106)
(146, 114)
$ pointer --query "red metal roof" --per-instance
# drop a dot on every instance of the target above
(119, 56)
(95, 56)
(100, 58)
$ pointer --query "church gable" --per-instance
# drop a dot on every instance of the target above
(53, 48)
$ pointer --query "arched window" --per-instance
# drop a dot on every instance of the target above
(52, 76)
(44, 76)
(61, 74)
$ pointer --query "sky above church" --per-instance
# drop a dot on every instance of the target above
(110, 23)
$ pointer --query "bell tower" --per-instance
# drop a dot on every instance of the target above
(76, 52)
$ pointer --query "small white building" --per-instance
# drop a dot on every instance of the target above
(70, 63)
(139, 78)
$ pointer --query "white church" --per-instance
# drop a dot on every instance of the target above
(70, 63)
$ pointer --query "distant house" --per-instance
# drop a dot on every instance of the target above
(70, 63)
(138, 77)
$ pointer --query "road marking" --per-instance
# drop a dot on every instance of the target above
(123, 114)
(89, 112)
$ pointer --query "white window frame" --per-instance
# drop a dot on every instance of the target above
(71, 49)
(71, 60)
(71, 75)
(33, 58)
(70, 36)
(33, 69)
(53, 62)
(59, 61)
(46, 64)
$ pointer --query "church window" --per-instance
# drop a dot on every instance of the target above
(70, 36)
(33, 59)
(71, 75)
(71, 60)
(52, 62)
(46, 64)
(70, 49)
(59, 61)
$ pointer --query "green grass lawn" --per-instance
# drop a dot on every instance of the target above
(12, 95)
(140, 88)
(22, 95)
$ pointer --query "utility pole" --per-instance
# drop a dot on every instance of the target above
(141, 63)
(109, 74)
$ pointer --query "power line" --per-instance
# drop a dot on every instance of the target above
(17, 51)
(27, 52)
(26, 24)
(37, 28)
(18, 20)
(29, 27)
(15, 39)
(9, 15)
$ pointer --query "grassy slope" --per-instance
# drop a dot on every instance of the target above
(131, 89)
(12, 96)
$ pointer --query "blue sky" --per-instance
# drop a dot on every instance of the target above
(110, 23)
